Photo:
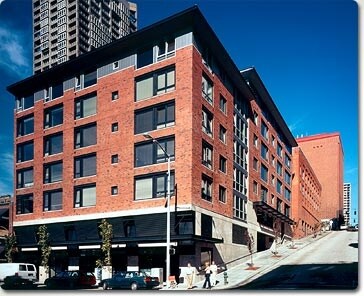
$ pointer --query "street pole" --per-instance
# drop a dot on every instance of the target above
(168, 226)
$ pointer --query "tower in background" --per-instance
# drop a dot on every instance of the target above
(347, 203)
(325, 154)
(65, 29)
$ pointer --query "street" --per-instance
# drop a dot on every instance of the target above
(329, 263)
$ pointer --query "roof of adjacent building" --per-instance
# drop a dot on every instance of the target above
(317, 137)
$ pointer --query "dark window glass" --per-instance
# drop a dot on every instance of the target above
(57, 90)
(264, 173)
(25, 126)
(186, 224)
(85, 196)
(85, 136)
(53, 172)
(115, 158)
(25, 151)
(145, 58)
(114, 127)
(151, 153)
(85, 106)
(222, 194)
(52, 200)
(222, 104)
(153, 186)
(24, 204)
(239, 235)
(90, 78)
(53, 144)
(206, 225)
(70, 233)
(24, 178)
(85, 165)
(28, 102)
(222, 164)
(206, 188)
(53, 116)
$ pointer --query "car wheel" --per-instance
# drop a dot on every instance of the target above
(105, 286)
(134, 286)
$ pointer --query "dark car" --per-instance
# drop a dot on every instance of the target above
(130, 280)
(70, 280)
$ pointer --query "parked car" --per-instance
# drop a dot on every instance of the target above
(133, 280)
(352, 228)
(71, 279)
(25, 271)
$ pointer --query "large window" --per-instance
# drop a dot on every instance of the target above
(287, 177)
(153, 186)
(154, 84)
(240, 155)
(239, 235)
(264, 151)
(90, 78)
(207, 155)
(206, 188)
(145, 58)
(264, 130)
(52, 200)
(207, 119)
(57, 90)
(85, 165)
(85, 195)
(279, 187)
(26, 102)
(156, 117)
(24, 204)
(25, 126)
(239, 207)
(264, 173)
(240, 181)
(151, 153)
(85, 135)
(24, 178)
(207, 89)
(222, 194)
(53, 116)
(53, 172)
(53, 144)
(165, 49)
(85, 106)
(287, 193)
(263, 194)
(25, 151)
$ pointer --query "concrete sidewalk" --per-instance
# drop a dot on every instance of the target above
(263, 261)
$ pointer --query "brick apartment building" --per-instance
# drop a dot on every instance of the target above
(82, 154)
(325, 154)
(306, 190)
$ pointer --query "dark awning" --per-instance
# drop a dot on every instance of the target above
(263, 207)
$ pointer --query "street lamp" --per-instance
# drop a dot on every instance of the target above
(168, 235)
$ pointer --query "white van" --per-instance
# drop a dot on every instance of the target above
(24, 270)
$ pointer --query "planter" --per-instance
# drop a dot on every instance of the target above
(106, 272)
(43, 274)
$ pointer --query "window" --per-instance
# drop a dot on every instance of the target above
(53, 144)
(279, 150)
(279, 205)
(264, 130)
(222, 194)
(207, 122)
(53, 116)
(256, 118)
(207, 155)
(114, 158)
(239, 235)
(156, 117)
(287, 177)
(222, 134)
(57, 90)
(239, 207)
(207, 89)
(240, 155)
(114, 95)
(25, 126)
(90, 78)
(264, 173)
(222, 164)
(206, 188)
(85, 165)
(24, 103)
(255, 140)
(223, 104)
(86, 106)
(155, 83)
(115, 65)
(85, 136)
(264, 151)
(165, 49)
(279, 187)
(24, 178)
(85, 195)
(24, 204)
(151, 153)
(273, 141)
(287, 161)
(25, 151)
(153, 186)
(255, 187)
(52, 172)
(279, 168)
(145, 58)
(287, 193)
(263, 194)
(114, 127)
(52, 200)
(240, 181)
(255, 164)
(114, 190)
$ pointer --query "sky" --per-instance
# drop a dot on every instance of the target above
(306, 53)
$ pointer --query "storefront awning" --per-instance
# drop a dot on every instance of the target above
(265, 208)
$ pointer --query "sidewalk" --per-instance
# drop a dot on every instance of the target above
(265, 261)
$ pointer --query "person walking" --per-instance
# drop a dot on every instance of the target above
(207, 276)
(213, 268)
(189, 275)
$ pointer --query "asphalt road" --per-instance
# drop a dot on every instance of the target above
(329, 263)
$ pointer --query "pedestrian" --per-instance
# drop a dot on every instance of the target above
(189, 275)
(213, 268)
(207, 276)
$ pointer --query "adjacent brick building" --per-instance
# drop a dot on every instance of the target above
(325, 154)
(82, 154)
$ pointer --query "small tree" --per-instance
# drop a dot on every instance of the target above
(106, 233)
(276, 232)
(10, 246)
(250, 244)
(45, 249)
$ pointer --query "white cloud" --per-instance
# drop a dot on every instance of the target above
(1, 1)
(6, 173)
(13, 57)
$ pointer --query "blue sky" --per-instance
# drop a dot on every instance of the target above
(306, 53)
